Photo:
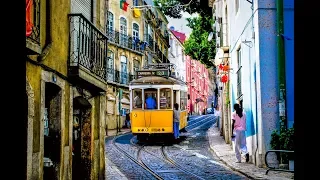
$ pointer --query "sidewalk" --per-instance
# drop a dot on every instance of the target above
(112, 171)
(226, 154)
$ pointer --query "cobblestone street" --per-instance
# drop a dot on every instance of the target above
(193, 154)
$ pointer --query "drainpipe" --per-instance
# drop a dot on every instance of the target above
(281, 66)
(48, 45)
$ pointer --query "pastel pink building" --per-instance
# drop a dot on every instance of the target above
(198, 88)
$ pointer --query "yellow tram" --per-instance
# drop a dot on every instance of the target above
(166, 91)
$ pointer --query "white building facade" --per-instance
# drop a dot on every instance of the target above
(176, 56)
(246, 40)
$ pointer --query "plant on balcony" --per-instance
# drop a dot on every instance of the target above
(283, 141)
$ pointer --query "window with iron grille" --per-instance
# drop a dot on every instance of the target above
(239, 90)
(110, 21)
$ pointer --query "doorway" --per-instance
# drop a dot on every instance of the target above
(81, 150)
(52, 131)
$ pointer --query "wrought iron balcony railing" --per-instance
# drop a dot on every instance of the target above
(88, 46)
(117, 76)
(126, 41)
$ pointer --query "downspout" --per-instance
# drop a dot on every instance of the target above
(281, 66)
(48, 45)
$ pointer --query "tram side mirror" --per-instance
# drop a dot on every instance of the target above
(188, 96)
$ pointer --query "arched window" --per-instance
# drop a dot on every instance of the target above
(110, 21)
(135, 30)
(135, 34)
(123, 31)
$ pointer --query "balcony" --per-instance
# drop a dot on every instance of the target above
(119, 78)
(126, 42)
(33, 40)
(88, 52)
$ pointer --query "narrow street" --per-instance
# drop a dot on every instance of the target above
(192, 156)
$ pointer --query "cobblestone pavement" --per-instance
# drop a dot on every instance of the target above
(226, 154)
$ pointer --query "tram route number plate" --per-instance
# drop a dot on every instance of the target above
(153, 73)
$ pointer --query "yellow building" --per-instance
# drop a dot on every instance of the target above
(136, 37)
(66, 84)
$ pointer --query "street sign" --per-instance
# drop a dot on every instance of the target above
(153, 72)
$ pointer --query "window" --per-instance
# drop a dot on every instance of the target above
(165, 98)
(136, 65)
(110, 21)
(137, 99)
(239, 90)
(182, 56)
(183, 100)
(135, 30)
(135, 2)
(237, 4)
(123, 31)
(135, 34)
(110, 70)
(151, 100)
(177, 48)
(123, 72)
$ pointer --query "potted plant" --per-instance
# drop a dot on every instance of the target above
(284, 141)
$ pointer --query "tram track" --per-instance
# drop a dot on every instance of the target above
(159, 174)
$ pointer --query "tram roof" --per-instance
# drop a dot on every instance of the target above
(156, 80)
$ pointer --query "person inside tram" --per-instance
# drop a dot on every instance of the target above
(150, 103)
(137, 100)
(163, 101)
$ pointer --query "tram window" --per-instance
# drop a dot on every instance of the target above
(137, 100)
(165, 98)
(151, 100)
(183, 100)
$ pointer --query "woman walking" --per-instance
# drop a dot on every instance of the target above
(239, 127)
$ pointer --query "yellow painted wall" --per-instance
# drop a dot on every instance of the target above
(56, 60)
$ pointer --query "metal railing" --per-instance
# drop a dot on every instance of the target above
(35, 35)
(88, 46)
(275, 166)
(120, 77)
(126, 41)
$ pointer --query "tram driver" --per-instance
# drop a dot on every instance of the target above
(150, 102)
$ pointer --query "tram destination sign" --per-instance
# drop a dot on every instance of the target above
(153, 72)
